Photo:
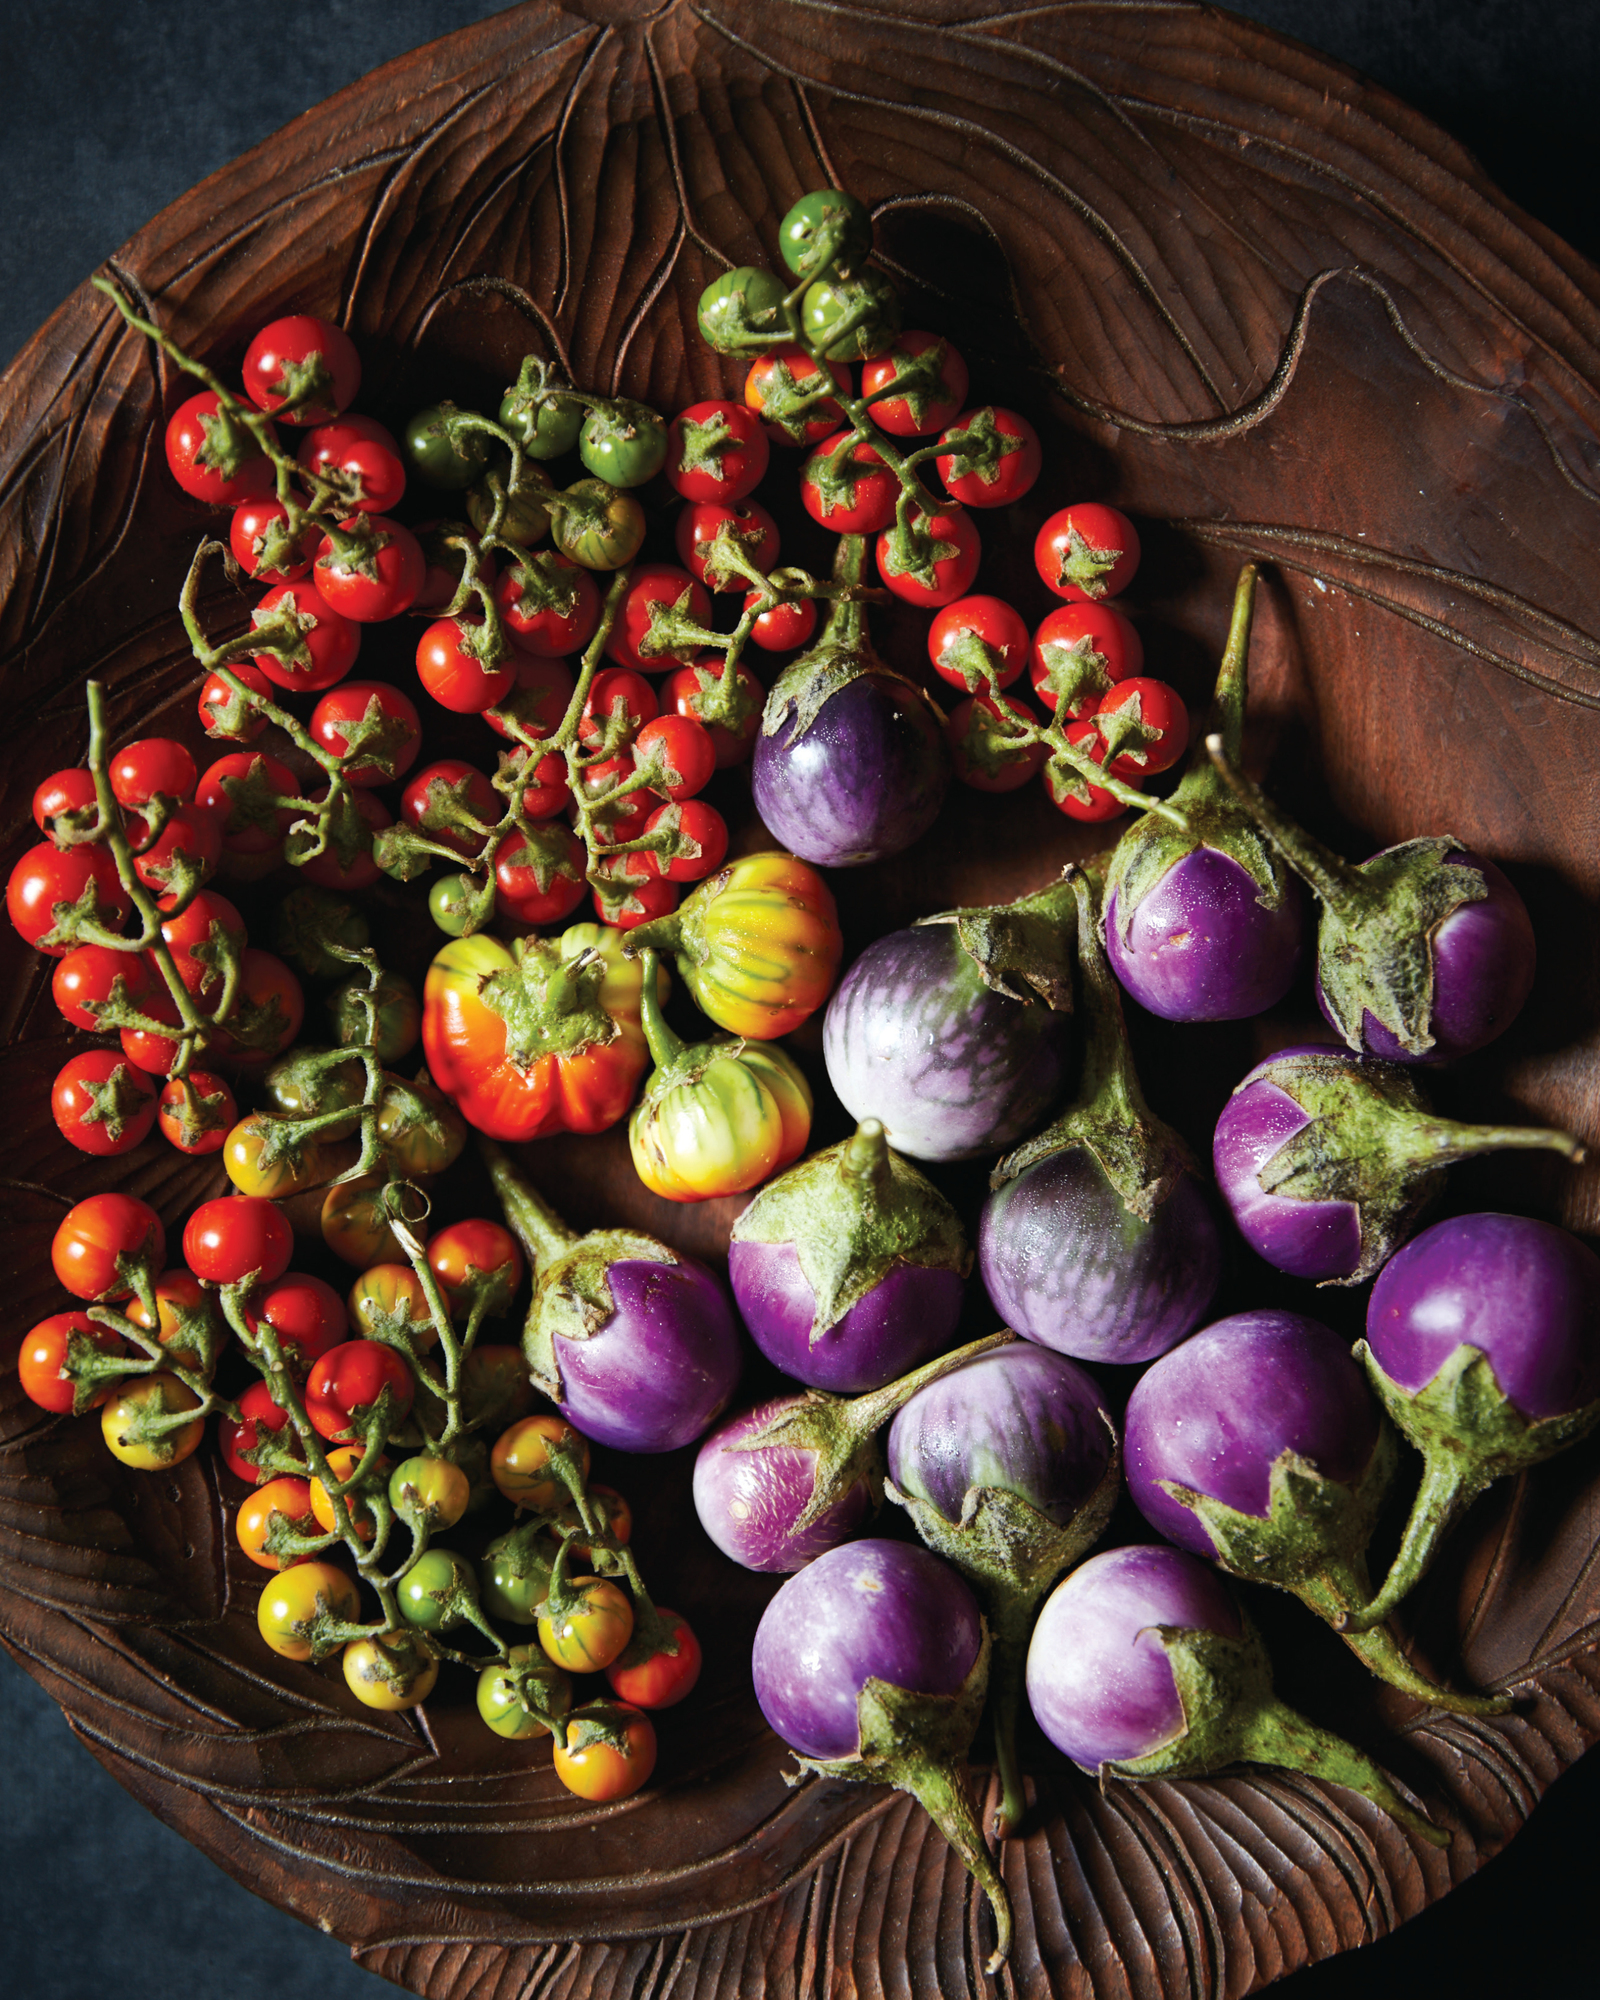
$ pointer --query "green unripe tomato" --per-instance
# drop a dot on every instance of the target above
(543, 430)
(445, 457)
(825, 229)
(742, 310)
(429, 1492)
(514, 1580)
(450, 903)
(599, 528)
(500, 1700)
(430, 1593)
(396, 1020)
(827, 302)
(299, 1085)
(526, 519)
(624, 443)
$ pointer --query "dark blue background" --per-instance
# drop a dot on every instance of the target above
(110, 111)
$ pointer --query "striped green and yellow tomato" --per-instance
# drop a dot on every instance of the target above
(723, 1126)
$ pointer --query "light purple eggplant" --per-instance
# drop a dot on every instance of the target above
(1425, 952)
(851, 764)
(1205, 923)
(850, 1268)
(1098, 1239)
(779, 1485)
(956, 1033)
(1008, 1467)
(871, 1664)
(1143, 1666)
(1483, 1344)
(1326, 1159)
(1258, 1443)
(636, 1345)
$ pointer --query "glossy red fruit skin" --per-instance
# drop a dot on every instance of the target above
(697, 528)
(365, 453)
(517, 884)
(704, 825)
(44, 1348)
(613, 688)
(305, 1313)
(398, 569)
(683, 694)
(192, 836)
(85, 976)
(481, 800)
(676, 743)
(823, 420)
(782, 628)
(63, 792)
(186, 447)
(634, 893)
(339, 711)
(653, 584)
(453, 677)
(72, 1103)
(894, 414)
(247, 531)
(170, 1106)
(92, 1236)
(48, 875)
(546, 632)
(1002, 771)
(237, 1236)
(538, 701)
(241, 833)
(1100, 804)
(990, 619)
(294, 339)
(195, 926)
(952, 575)
(327, 870)
(327, 647)
(1100, 529)
(216, 698)
(262, 1417)
(868, 504)
(1098, 628)
(152, 765)
(1014, 476)
(348, 1379)
(743, 456)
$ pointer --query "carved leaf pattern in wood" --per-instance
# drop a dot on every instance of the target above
(1244, 295)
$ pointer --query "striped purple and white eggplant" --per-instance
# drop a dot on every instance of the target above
(956, 1033)
(1099, 1239)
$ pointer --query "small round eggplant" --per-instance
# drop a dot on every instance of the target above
(1143, 1666)
(1258, 1442)
(1483, 1344)
(1326, 1159)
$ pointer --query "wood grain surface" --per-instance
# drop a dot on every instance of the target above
(1271, 313)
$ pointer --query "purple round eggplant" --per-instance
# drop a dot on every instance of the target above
(869, 1610)
(1202, 945)
(1067, 1264)
(915, 1037)
(1483, 967)
(1217, 1413)
(1308, 1239)
(908, 1317)
(1018, 1420)
(1521, 1292)
(749, 1501)
(1099, 1679)
(857, 781)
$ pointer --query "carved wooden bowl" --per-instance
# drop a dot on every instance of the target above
(1259, 305)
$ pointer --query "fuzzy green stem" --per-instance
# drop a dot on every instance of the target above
(1227, 715)
(1341, 1591)
(1448, 1488)
(534, 1223)
(1440, 1141)
(1277, 1734)
(665, 1046)
(1337, 882)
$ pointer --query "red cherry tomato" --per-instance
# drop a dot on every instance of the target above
(361, 458)
(322, 651)
(102, 1103)
(677, 754)
(376, 706)
(539, 700)
(632, 893)
(777, 378)
(665, 1678)
(1079, 653)
(1073, 795)
(716, 451)
(44, 1351)
(147, 1050)
(923, 411)
(782, 627)
(345, 863)
(264, 548)
(1001, 652)
(348, 1380)
(540, 881)
(284, 1499)
(84, 979)
(698, 825)
(204, 1127)
(453, 674)
(438, 785)
(1158, 711)
(49, 879)
(468, 1253)
(213, 457)
(378, 579)
(238, 1236)
(550, 606)
(225, 714)
(698, 527)
(198, 937)
(242, 786)
(96, 1241)
(305, 1313)
(260, 1418)
(655, 584)
(155, 765)
(64, 792)
(946, 576)
(271, 997)
(688, 690)
(1087, 551)
(613, 824)
(985, 756)
(188, 847)
(846, 486)
(997, 457)
(619, 704)
(305, 368)
(549, 791)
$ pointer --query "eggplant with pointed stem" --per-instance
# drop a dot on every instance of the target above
(1009, 1467)
(635, 1345)
(1143, 1665)
(871, 1664)
(850, 1268)
(1425, 952)
(1259, 1444)
(1483, 1344)
(1099, 1240)
(1326, 1159)
(779, 1485)
(1208, 924)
